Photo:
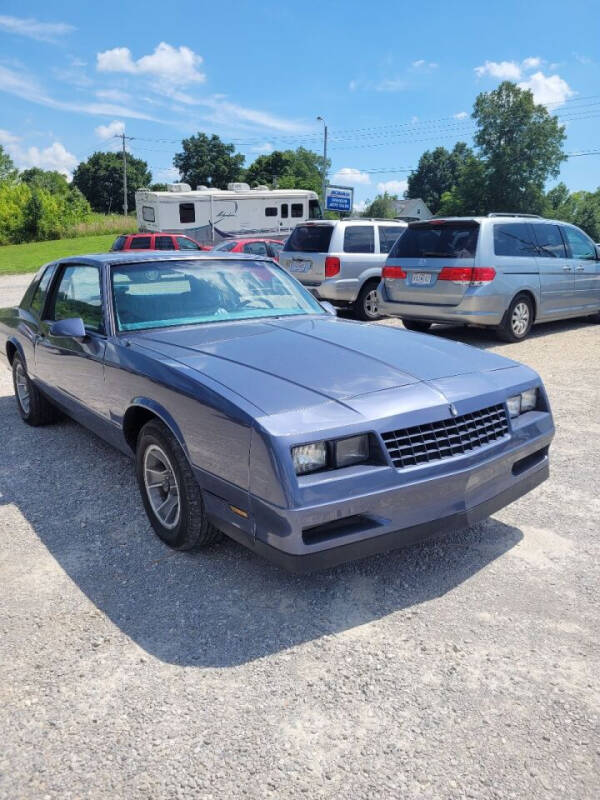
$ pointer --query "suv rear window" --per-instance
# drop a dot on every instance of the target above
(438, 240)
(118, 243)
(310, 239)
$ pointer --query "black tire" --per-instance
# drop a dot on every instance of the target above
(517, 320)
(189, 527)
(32, 406)
(365, 305)
(416, 325)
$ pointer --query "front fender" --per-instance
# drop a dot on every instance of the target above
(156, 408)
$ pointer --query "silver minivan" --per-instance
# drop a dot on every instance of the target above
(341, 260)
(506, 271)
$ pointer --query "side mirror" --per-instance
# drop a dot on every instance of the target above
(598, 251)
(329, 308)
(68, 328)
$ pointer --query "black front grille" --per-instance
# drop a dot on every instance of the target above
(435, 441)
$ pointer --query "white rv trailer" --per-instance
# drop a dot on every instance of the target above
(209, 215)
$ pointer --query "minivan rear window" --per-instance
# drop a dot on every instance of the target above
(438, 240)
(310, 239)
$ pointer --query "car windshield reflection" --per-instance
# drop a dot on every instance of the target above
(166, 294)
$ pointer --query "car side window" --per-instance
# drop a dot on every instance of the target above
(78, 295)
(359, 239)
(118, 243)
(513, 239)
(578, 245)
(549, 241)
(39, 296)
(387, 237)
(275, 248)
(186, 244)
(163, 243)
(256, 248)
(140, 243)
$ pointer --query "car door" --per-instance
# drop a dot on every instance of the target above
(359, 256)
(581, 254)
(30, 314)
(70, 370)
(556, 272)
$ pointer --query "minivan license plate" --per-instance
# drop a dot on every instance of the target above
(422, 278)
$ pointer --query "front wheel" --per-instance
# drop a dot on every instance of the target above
(517, 320)
(170, 493)
(416, 325)
(366, 306)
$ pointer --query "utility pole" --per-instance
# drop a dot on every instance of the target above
(324, 159)
(123, 138)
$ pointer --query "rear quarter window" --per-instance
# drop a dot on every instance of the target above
(310, 239)
(514, 239)
(388, 235)
(437, 240)
(118, 243)
(359, 239)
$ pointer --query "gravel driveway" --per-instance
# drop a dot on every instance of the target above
(466, 668)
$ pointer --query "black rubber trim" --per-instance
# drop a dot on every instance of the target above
(331, 557)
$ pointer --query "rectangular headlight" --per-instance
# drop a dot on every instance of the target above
(528, 400)
(514, 405)
(353, 450)
(309, 457)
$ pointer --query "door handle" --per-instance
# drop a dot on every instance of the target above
(580, 269)
(566, 268)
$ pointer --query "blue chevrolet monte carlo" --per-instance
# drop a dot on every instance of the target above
(250, 408)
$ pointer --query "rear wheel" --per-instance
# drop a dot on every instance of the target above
(517, 320)
(416, 325)
(170, 493)
(33, 407)
(366, 306)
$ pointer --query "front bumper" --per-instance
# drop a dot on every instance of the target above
(389, 514)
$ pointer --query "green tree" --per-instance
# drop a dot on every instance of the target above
(436, 173)
(8, 171)
(159, 187)
(520, 144)
(207, 161)
(469, 193)
(580, 208)
(54, 182)
(288, 169)
(381, 207)
(100, 180)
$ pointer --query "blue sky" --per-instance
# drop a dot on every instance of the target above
(391, 78)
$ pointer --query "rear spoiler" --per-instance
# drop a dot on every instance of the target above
(429, 223)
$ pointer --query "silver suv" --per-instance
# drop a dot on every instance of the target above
(341, 261)
(508, 271)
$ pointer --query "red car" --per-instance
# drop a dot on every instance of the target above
(255, 247)
(156, 241)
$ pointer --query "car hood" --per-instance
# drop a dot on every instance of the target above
(283, 364)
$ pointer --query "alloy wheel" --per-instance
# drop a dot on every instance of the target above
(161, 486)
(371, 304)
(520, 319)
(22, 388)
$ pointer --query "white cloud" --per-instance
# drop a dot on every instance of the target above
(353, 85)
(26, 87)
(55, 157)
(227, 113)
(114, 95)
(176, 66)
(114, 128)
(531, 63)
(421, 63)
(167, 175)
(350, 176)
(505, 70)
(266, 147)
(391, 85)
(460, 115)
(392, 187)
(359, 206)
(548, 89)
(33, 29)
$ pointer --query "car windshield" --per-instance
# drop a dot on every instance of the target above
(161, 294)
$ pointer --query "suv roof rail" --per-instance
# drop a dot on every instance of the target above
(369, 219)
(513, 214)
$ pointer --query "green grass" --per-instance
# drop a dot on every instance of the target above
(17, 258)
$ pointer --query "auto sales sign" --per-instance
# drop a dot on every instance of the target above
(339, 198)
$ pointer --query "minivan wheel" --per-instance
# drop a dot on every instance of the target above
(33, 407)
(366, 306)
(517, 321)
(416, 325)
(170, 492)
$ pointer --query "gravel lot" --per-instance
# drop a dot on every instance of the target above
(466, 668)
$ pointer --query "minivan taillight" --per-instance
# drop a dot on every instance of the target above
(332, 266)
(468, 276)
(393, 272)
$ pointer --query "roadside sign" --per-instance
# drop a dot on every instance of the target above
(339, 198)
